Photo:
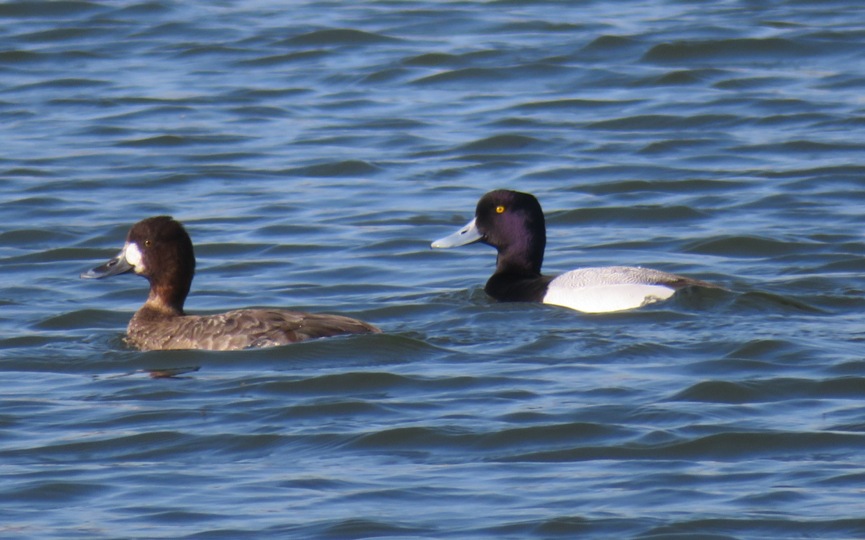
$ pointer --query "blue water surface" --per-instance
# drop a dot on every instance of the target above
(315, 149)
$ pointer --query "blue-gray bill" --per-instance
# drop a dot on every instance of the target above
(466, 235)
(117, 265)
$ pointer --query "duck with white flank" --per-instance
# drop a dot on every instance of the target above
(513, 223)
(160, 249)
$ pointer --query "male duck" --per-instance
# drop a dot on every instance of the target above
(513, 223)
(160, 249)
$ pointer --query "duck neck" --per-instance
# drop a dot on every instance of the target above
(167, 298)
(522, 257)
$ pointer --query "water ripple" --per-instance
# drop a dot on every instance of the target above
(315, 150)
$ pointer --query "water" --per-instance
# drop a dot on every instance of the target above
(314, 149)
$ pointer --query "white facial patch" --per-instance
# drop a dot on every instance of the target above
(133, 257)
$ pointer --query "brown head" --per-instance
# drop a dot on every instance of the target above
(159, 249)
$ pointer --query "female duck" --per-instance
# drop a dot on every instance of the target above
(159, 249)
(513, 223)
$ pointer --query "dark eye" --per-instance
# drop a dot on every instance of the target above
(148, 243)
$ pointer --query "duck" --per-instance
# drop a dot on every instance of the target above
(513, 223)
(159, 249)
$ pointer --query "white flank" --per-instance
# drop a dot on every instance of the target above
(604, 290)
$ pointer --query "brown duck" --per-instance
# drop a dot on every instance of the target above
(160, 249)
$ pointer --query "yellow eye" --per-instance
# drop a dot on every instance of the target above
(500, 209)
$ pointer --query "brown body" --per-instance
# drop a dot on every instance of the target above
(151, 330)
